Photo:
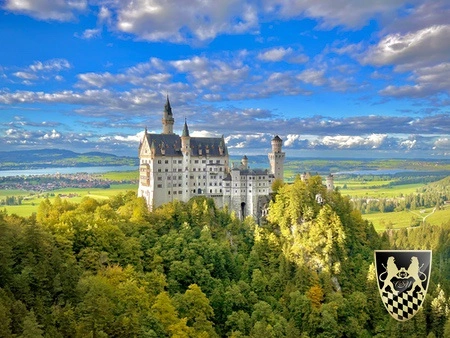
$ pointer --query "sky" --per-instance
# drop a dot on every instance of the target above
(332, 78)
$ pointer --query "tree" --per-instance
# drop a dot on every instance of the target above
(31, 328)
(166, 314)
(194, 305)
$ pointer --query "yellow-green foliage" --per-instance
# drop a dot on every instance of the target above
(110, 268)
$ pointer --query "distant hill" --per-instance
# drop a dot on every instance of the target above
(48, 158)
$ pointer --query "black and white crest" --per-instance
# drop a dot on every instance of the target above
(403, 277)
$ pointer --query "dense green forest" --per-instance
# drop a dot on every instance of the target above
(112, 269)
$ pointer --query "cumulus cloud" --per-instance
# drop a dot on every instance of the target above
(53, 135)
(290, 139)
(331, 13)
(50, 65)
(442, 143)
(428, 81)
(90, 33)
(60, 10)
(176, 21)
(313, 76)
(39, 70)
(25, 75)
(275, 54)
(409, 51)
(344, 141)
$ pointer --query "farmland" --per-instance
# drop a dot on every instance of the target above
(358, 187)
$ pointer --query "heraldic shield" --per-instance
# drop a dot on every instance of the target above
(403, 277)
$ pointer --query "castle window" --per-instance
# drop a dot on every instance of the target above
(166, 161)
(159, 161)
(218, 161)
(196, 161)
(179, 161)
(167, 170)
(159, 185)
(159, 170)
(203, 161)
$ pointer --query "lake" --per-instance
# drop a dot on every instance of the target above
(66, 170)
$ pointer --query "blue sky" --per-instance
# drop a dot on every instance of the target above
(340, 78)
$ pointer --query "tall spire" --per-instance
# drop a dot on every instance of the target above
(185, 129)
(167, 120)
(167, 107)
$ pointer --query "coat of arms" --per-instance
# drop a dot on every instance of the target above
(403, 277)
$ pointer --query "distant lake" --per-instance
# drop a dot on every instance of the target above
(373, 172)
(67, 170)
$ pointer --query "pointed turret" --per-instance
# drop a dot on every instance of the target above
(167, 120)
(185, 129)
(185, 140)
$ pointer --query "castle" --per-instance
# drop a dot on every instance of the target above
(174, 167)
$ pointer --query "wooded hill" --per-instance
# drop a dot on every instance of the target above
(51, 158)
(112, 269)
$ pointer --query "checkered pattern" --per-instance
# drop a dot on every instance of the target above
(403, 306)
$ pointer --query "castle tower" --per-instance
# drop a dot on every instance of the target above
(276, 158)
(186, 152)
(330, 182)
(167, 120)
(244, 162)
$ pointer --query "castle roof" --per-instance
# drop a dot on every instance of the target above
(252, 172)
(277, 138)
(170, 145)
(185, 130)
(167, 107)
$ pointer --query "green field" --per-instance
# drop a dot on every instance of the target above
(404, 219)
(354, 188)
(31, 203)
(32, 200)
(375, 189)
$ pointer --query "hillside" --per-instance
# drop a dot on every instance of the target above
(51, 158)
(112, 269)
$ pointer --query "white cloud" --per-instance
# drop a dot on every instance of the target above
(275, 54)
(25, 75)
(409, 51)
(291, 138)
(373, 141)
(91, 33)
(409, 144)
(442, 143)
(203, 133)
(176, 20)
(59, 10)
(428, 81)
(50, 65)
(312, 76)
(347, 13)
(53, 135)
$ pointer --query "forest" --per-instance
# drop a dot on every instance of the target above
(112, 269)
(434, 194)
